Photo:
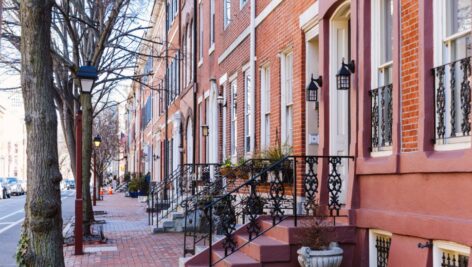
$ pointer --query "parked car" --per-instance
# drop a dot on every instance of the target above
(70, 184)
(22, 182)
(5, 188)
(15, 186)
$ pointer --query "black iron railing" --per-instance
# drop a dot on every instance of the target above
(452, 99)
(381, 117)
(277, 200)
(382, 244)
(453, 260)
(196, 228)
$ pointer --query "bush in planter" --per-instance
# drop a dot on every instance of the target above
(317, 248)
(133, 188)
(143, 185)
(227, 170)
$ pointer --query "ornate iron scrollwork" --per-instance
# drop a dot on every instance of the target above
(254, 207)
(375, 117)
(465, 95)
(334, 186)
(310, 184)
(452, 70)
(440, 103)
(227, 219)
(276, 193)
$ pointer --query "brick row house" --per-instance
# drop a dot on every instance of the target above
(391, 90)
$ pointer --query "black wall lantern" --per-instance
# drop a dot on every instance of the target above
(312, 89)
(343, 77)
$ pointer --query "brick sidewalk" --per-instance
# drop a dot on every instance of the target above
(130, 242)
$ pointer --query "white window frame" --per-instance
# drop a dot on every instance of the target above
(443, 55)
(373, 233)
(440, 246)
(234, 117)
(224, 134)
(212, 27)
(226, 13)
(381, 67)
(242, 3)
(248, 111)
(265, 107)
(200, 50)
(287, 98)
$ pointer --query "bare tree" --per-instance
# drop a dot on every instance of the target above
(106, 125)
(41, 242)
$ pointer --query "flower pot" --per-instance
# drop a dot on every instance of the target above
(133, 194)
(331, 257)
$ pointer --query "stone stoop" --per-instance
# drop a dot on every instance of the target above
(173, 223)
(275, 248)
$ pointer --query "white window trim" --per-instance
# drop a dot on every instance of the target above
(441, 39)
(212, 26)
(439, 246)
(372, 249)
(212, 49)
(234, 139)
(226, 18)
(247, 113)
(242, 3)
(283, 102)
(264, 105)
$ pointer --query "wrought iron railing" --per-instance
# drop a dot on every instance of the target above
(162, 193)
(453, 260)
(382, 244)
(381, 117)
(452, 100)
(196, 228)
(277, 200)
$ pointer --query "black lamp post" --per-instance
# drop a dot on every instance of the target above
(343, 77)
(87, 76)
(97, 140)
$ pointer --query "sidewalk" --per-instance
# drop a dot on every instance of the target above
(130, 242)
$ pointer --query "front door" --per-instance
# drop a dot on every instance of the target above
(338, 99)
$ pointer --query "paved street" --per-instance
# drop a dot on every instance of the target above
(12, 216)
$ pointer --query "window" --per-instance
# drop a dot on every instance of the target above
(200, 50)
(242, 3)
(212, 23)
(234, 117)
(265, 107)
(452, 55)
(379, 247)
(382, 66)
(287, 99)
(147, 113)
(207, 122)
(450, 254)
(226, 12)
(247, 111)
(224, 123)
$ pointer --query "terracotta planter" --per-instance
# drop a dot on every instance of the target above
(331, 257)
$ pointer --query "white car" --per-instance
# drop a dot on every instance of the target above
(15, 186)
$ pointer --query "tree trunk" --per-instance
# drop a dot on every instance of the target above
(41, 240)
(86, 102)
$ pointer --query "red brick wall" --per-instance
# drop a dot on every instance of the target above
(409, 75)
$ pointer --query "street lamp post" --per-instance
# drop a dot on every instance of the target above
(97, 140)
(87, 75)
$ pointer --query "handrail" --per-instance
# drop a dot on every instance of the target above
(224, 208)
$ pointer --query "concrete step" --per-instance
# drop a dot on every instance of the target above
(264, 249)
(237, 259)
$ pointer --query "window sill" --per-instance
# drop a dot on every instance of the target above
(200, 62)
(212, 49)
(382, 152)
(457, 144)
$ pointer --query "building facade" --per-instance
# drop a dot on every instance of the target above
(241, 68)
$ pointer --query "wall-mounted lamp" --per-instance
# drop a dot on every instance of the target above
(343, 77)
(205, 130)
(155, 157)
(312, 89)
(221, 100)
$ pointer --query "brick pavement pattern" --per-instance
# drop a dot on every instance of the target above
(128, 231)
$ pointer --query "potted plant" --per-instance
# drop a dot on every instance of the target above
(317, 250)
(227, 170)
(133, 188)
